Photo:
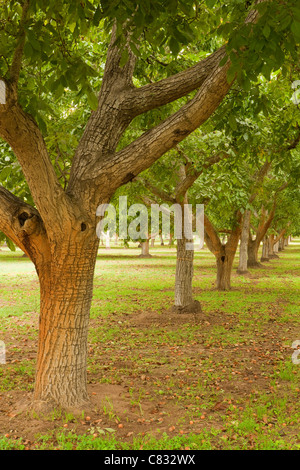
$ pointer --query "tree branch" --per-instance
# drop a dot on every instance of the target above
(192, 174)
(160, 193)
(258, 178)
(24, 226)
(172, 88)
(14, 71)
(145, 150)
(212, 239)
(21, 132)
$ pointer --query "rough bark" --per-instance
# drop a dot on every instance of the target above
(243, 258)
(253, 247)
(184, 302)
(66, 295)
(224, 268)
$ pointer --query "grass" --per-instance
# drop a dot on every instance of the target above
(225, 381)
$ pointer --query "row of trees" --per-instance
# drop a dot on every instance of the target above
(95, 93)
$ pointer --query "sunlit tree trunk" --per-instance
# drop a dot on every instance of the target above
(66, 294)
(145, 253)
(243, 257)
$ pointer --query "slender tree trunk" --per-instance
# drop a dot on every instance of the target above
(281, 244)
(184, 302)
(161, 240)
(286, 241)
(265, 249)
(243, 258)
(107, 239)
(152, 242)
(171, 241)
(66, 295)
(145, 249)
(273, 247)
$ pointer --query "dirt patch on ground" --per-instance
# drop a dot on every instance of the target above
(152, 386)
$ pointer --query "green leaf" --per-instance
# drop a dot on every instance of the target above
(124, 57)
(266, 30)
(35, 44)
(97, 16)
(295, 28)
(211, 3)
(232, 122)
(28, 51)
(10, 244)
(223, 61)
(72, 27)
(174, 46)
(5, 173)
(231, 74)
(92, 99)
(134, 49)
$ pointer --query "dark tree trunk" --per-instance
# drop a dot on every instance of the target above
(224, 268)
(281, 244)
(253, 247)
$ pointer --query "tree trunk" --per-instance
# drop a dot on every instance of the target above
(145, 249)
(66, 295)
(224, 268)
(243, 258)
(273, 247)
(265, 249)
(184, 302)
(152, 242)
(171, 241)
(253, 247)
(161, 240)
(281, 244)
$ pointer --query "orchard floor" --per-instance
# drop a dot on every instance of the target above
(223, 379)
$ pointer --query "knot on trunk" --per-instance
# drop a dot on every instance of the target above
(23, 217)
